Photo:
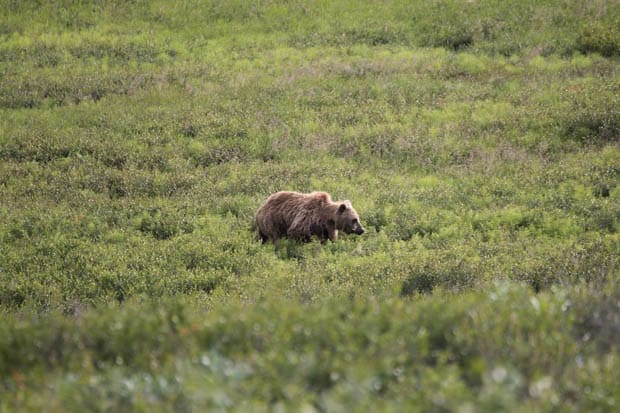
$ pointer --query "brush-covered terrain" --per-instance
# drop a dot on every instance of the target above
(478, 141)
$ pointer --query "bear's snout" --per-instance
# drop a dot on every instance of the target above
(360, 230)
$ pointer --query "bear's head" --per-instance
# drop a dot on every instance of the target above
(347, 220)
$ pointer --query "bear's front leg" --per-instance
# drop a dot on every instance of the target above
(331, 231)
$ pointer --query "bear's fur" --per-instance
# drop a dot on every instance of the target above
(300, 216)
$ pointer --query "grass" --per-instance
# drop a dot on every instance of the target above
(477, 140)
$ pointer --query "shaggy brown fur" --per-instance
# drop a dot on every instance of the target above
(300, 216)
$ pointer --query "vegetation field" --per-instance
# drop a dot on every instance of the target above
(478, 140)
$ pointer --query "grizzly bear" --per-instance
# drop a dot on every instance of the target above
(300, 216)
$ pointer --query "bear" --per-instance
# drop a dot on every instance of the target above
(300, 216)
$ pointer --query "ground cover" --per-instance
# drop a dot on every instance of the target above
(477, 140)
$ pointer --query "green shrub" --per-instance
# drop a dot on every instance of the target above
(600, 38)
(445, 24)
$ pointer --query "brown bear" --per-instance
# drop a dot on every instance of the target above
(300, 216)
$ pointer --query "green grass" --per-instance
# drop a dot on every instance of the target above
(477, 140)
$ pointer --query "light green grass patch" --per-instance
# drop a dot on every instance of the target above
(492, 114)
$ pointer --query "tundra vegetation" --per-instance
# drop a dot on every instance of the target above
(478, 141)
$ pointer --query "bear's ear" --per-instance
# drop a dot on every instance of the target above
(343, 207)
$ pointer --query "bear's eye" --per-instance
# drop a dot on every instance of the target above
(354, 221)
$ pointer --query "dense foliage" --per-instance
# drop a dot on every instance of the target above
(478, 141)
